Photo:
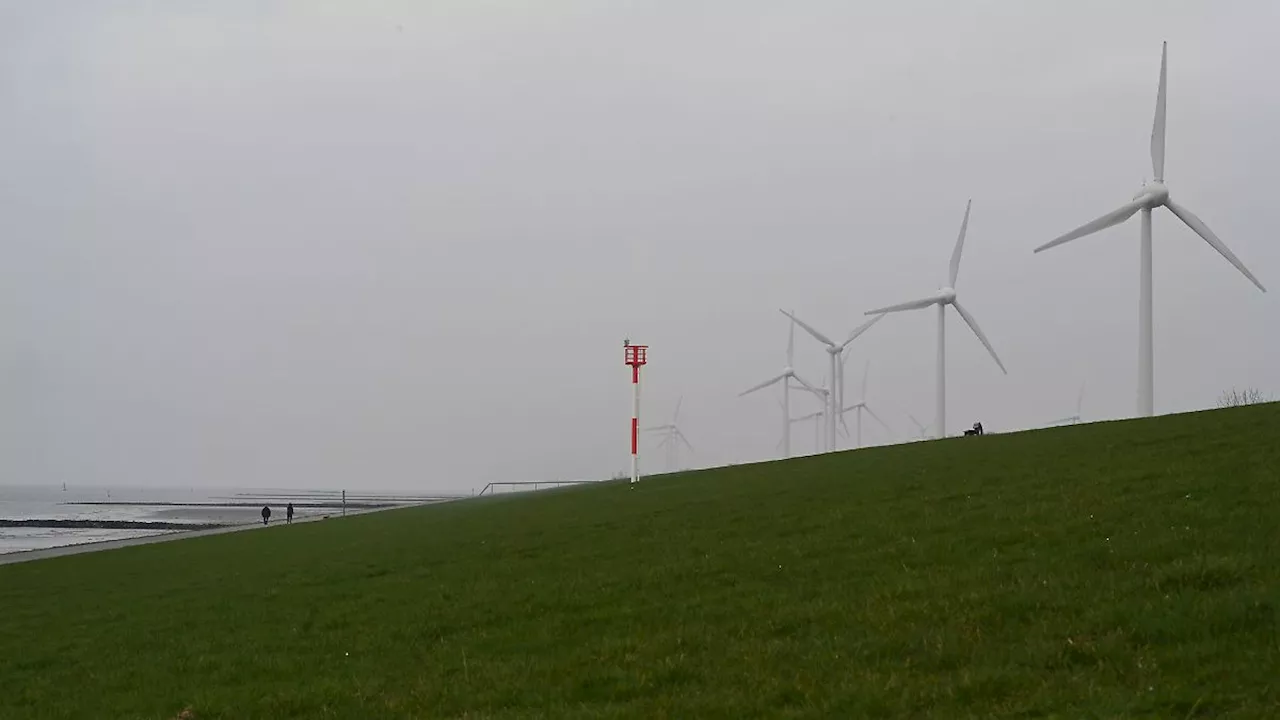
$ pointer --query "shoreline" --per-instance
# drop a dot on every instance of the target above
(140, 503)
(171, 535)
(107, 524)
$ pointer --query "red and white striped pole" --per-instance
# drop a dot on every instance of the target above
(636, 358)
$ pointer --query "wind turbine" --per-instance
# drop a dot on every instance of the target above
(790, 421)
(819, 417)
(922, 429)
(835, 400)
(942, 298)
(1150, 197)
(1073, 418)
(672, 438)
(817, 444)
(862, 405)
(788, 373)
(822, 394)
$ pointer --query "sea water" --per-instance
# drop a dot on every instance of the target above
(225, 506)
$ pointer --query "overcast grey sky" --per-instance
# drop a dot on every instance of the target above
(399, 244)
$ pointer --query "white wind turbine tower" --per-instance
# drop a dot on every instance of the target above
(791, 421)
(1147, 199)
(672, 438)
(788, 373)
(862, 405)
(835, 399)
(942, 298)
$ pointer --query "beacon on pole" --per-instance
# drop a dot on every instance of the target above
(636, 357)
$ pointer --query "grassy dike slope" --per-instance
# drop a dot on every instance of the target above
(1116, 569)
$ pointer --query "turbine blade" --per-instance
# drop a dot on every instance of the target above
(844, 427)
(658, 428)
(676, 416)
(955, 254)
(683, 439)
(873, 414)
(973, 325)
(912, 305)
(1114, 217)
(1203, 231)
(762, 385)
(1157, 127)
(814, 392)
(862, 328)
(809, 329)
(917, 422)
(805, 385)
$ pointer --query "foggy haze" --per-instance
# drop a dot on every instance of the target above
(399, 245)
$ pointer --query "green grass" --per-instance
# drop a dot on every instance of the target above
(1111, 570)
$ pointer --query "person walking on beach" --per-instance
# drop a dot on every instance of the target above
(266, 514)
(288, 514)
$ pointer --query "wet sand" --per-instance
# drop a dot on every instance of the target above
(276, 520)
(240, 515)
(63, 523)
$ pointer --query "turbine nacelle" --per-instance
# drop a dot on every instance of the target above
(946, 295)
(1156, 194)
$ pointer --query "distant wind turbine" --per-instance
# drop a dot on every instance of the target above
(1150, 197)
(816, 416)
(819, 417)
(788, 373)
(861, 405)
(922, 430)
(942, 298)
(836, 398)
(1072, 419)
(790, 421)
(819, 424)
(672, 438)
